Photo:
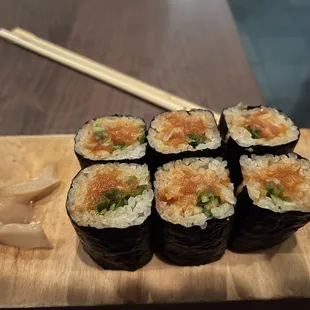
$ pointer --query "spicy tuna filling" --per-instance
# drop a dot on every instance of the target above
(112, 195)
(112, 138)
(179, 131)
(259, 126)
(280, 183)
(191, 191)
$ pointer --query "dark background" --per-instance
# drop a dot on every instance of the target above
(189, 48)
(276, 38)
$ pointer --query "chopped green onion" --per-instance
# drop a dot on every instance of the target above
(103, 212)
(99, 132)
(274, 190)
(208, 201)
(195, 139)
(255, 132)
(269, 188)
(113, 207)
(103, 204)
(114, 198)
(114, 194)
(204, 198)
(207, 197)
(138, 191)
(207, 212)
(276, 200)
(277, 191)
(119, 146)
(141, 139)
(214, 203)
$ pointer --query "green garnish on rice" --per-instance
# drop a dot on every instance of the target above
(195, 139)
(99, 132)
(141, 139)
(275, 193)
(114, 198)
(255, 132)
(208, 201)
(119, 146)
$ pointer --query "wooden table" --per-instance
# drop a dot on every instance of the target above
(189, 48)
(66, 275)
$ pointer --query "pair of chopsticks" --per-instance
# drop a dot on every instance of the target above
(94, 69)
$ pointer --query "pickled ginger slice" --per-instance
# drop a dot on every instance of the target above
(34, 189)
(12, 211)
(26, 236)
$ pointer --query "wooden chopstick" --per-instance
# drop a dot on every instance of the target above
(92, 68)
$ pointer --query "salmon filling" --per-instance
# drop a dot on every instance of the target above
(189, 186)
(179, 128)
(109, 190)
(261, 125)
(181, 131)
(114, 134)
(197, 188)
(281, 180)
(115, 195)
(112, 137)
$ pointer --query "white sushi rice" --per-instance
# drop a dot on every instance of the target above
(158, 124)
(257, 164)
(82, 143)
(134, 213)
(236, 117)
(172, 213)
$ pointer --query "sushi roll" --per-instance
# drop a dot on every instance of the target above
(109, 206)
(111, 139)
(273, 202)
(195, 204)
(255, 130)
(179, 134)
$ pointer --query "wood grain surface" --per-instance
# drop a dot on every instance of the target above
(189, 48)
(66, 275)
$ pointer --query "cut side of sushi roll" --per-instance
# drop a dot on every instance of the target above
(195, 201)
(179, 134)
(255, 130)
(111, 138)
(109, 206)
(273, 202)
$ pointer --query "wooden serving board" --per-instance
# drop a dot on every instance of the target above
(66, 275)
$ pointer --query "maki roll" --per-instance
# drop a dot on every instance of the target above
(109, 207)
(179, 134)
(255, 130)
(195, 202)
(273, 202)
(110, 139)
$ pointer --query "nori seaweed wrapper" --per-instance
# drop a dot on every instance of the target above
(116, 248)
(193, 246)
(156, 159)
(233, 151)
(85, 162)
(257, 228)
